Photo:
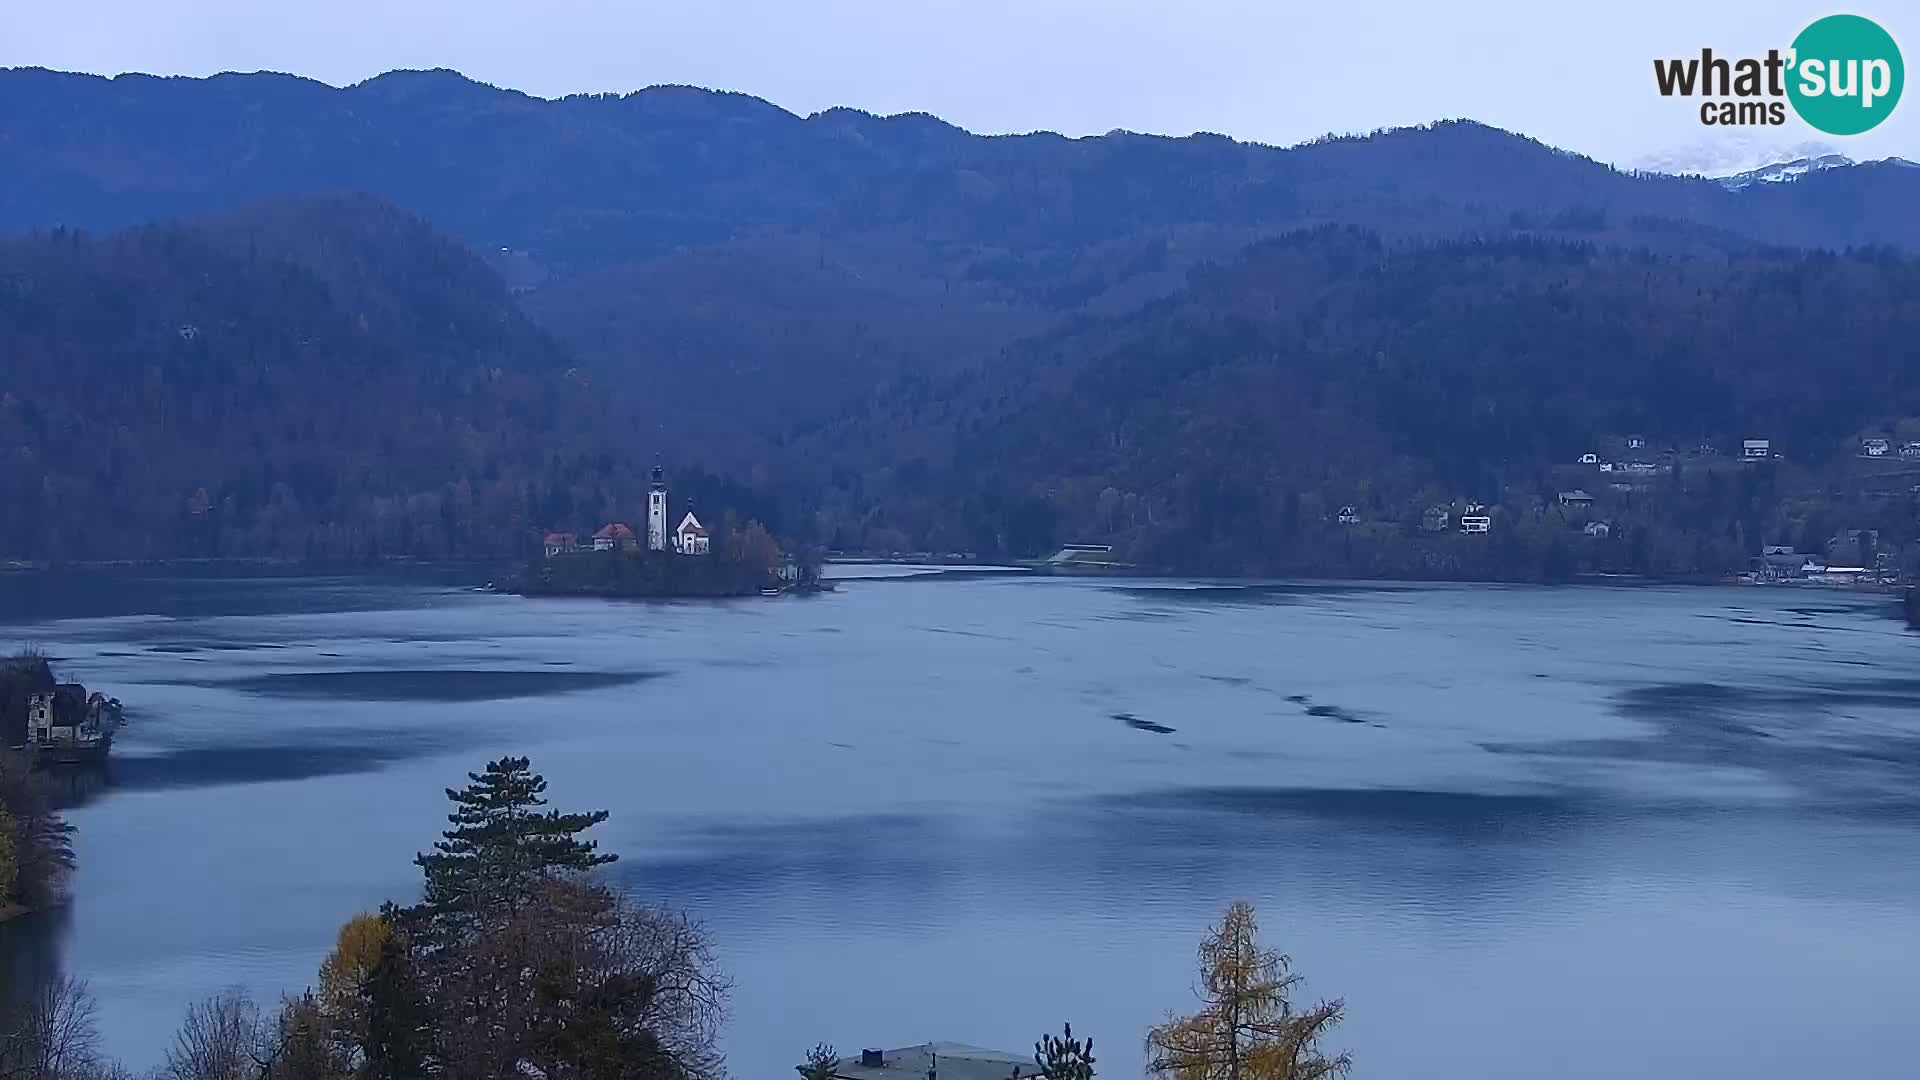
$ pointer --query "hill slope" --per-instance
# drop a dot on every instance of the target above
(1220, 428)
(312, 377)
(732, 269)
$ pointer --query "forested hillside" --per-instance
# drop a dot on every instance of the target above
(729, 267)
(1223, 427)
(320, 377)
(890, 333)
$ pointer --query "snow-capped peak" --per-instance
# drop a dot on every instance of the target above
(1781, 172)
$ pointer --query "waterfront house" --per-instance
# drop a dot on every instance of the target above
(690, 537)
(1577, 499)
(1436, 519)
(66, 724)
(1875, 447)
(1589, 459)
(1910, 451)
(933, 1061)
(1756, 448)
(1599, 530)
(1475, 524)
(1348, 516)
(560, 543)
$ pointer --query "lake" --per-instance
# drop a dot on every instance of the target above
(1522, 831)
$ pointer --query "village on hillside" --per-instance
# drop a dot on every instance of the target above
(1833, 511)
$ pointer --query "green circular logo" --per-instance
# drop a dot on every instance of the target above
(1846, 74)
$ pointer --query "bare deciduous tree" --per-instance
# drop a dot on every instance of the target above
(222, 1038)
(52, 1035)
(688, 1004)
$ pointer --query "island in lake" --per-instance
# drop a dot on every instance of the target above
(685, 560)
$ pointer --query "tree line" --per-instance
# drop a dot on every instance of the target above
(520, 961)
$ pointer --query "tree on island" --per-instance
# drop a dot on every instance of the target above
(1247, 1027)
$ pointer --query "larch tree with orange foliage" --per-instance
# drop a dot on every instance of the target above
(1248, 1027)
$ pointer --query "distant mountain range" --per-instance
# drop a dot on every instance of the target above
(790, 299)
(1783, 171)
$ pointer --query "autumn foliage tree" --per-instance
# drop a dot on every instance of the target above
(1248, 1027)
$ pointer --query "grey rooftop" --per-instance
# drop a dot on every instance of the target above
(943, 1060)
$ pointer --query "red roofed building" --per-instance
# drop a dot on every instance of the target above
(616, 535)
(559, 543)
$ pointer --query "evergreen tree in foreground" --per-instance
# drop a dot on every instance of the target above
(1063, 1057)
(502, 844)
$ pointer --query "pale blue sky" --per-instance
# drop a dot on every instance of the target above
(1577, 75)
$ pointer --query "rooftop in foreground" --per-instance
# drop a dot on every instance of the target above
(933, 1061)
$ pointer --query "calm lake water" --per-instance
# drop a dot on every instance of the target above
(1524, 832)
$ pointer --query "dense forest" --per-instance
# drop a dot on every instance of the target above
(1222, 428)
(318, 377)
(730, 267)
(890, 334)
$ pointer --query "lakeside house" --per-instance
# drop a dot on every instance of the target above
(1436, 519)
(1599, 530)
(1753, 449)
(64, 723)
(1577, 499)
(1475, 524)
(560, 543)
(933, 1061)
(1348, 516)
(1875, 447)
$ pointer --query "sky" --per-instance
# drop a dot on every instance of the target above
(1574, 74)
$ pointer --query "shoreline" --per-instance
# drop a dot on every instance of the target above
(1012, 567)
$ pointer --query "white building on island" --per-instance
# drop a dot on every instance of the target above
(657, 511)
(690, 537)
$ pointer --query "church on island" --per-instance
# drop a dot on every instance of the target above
(689, 537)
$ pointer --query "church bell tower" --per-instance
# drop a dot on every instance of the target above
(657, 512)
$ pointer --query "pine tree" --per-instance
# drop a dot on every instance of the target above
(823, 1063)
(399, 1029)
(1064, 1057)
(502, 844)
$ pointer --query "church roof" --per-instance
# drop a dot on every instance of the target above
(690, 526)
